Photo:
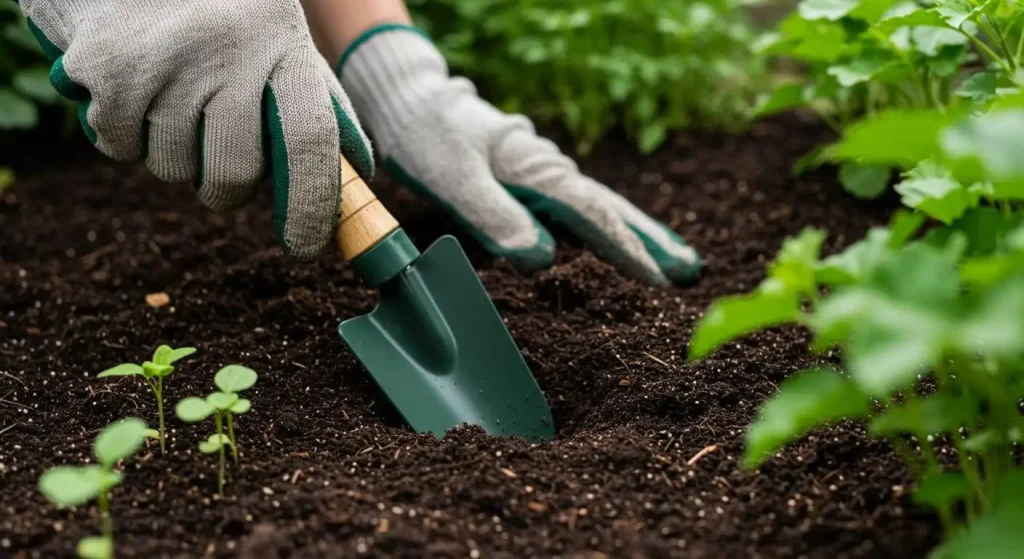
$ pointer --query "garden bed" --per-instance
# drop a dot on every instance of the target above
(645, 463)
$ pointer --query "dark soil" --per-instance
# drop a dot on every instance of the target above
(645, 463)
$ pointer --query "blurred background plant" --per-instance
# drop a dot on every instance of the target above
(25, 90)
(648, 66)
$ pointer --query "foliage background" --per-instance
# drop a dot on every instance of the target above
(645, 66)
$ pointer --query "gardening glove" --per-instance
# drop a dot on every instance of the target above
(490, 170)
(214, 92)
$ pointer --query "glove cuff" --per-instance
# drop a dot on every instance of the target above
(388, 72)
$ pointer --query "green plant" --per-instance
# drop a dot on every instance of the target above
(153, 372)
(647, 65)
(222, 405)
(943, 302)
(860, 57)
(69, 486)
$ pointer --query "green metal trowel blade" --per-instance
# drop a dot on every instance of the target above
(441, 353)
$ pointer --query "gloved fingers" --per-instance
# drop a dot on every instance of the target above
(304, 147)
(458, 179)
(549, 183)
(114, 119)
(231, 147)
(173, 152)
(354, 144)
(677, 260)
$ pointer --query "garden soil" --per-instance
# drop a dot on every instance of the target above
(646, 462)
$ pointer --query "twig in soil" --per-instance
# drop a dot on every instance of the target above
(6, 374)
(703, 452)
(295, 476)
(623, 363)
(8, 428)
(656, 360)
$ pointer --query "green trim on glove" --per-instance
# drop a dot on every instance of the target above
(278, 161)
(352, 144)
(63, 83)
(367, 35)
(677, 269)
(537, 257)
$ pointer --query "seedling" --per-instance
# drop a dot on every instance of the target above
(153, 372)
(69, 486)
(222, 405)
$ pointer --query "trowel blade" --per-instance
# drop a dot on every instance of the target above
(440, 351)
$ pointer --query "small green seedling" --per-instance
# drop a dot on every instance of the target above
(70, 486)
(222, 405)
(153, 372)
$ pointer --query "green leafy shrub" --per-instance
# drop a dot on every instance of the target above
(153, 372)
(649, 65)
(69, 486)
(24, 72)
(223, 405)
(907, 302)
(860, 57)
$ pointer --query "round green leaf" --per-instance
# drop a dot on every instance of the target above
(122, 370)
(34, 83)
(241, 406)
(864, 181)
(235, 378)
(71, 485)
(95, 547)
(192, 409)
(120, 440)
(222, 400)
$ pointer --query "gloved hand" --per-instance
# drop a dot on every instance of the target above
(490, 170)
(213, 92)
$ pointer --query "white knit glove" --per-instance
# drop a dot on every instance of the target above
(490, 170)
(213, 91)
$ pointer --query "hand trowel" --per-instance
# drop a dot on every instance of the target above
(435, 343)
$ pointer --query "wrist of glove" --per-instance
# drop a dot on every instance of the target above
(216, 92)
(490, 170)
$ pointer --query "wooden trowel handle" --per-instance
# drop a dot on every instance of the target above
(364, 220)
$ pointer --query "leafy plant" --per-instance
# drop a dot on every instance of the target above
(153, 372)
(862, 57)
(222, 405)
(648, 65)
(69, 486)
(908, 301)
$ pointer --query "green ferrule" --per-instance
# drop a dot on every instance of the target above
(386, 259)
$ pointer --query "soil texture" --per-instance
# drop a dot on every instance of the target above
(646, 459)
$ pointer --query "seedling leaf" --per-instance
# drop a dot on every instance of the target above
(193, 410)
(221, 400)
(832, 10)
(120, 440)
(241, 406)
(943, 199)
(811, 398)
(71, 485)
(162, 355)
(214, 443)
(732, 317)
(235, 378)
(95, 547)
(985, 146)
(857, 262)
(122, 370)
(895, 137)
(181, 353)
(156, 370)
(152, 434)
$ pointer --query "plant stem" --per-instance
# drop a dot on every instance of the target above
(220, 470)
(1007, 53)
(990, 53)
(160, 414)
(231, 437)
(104, 502)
